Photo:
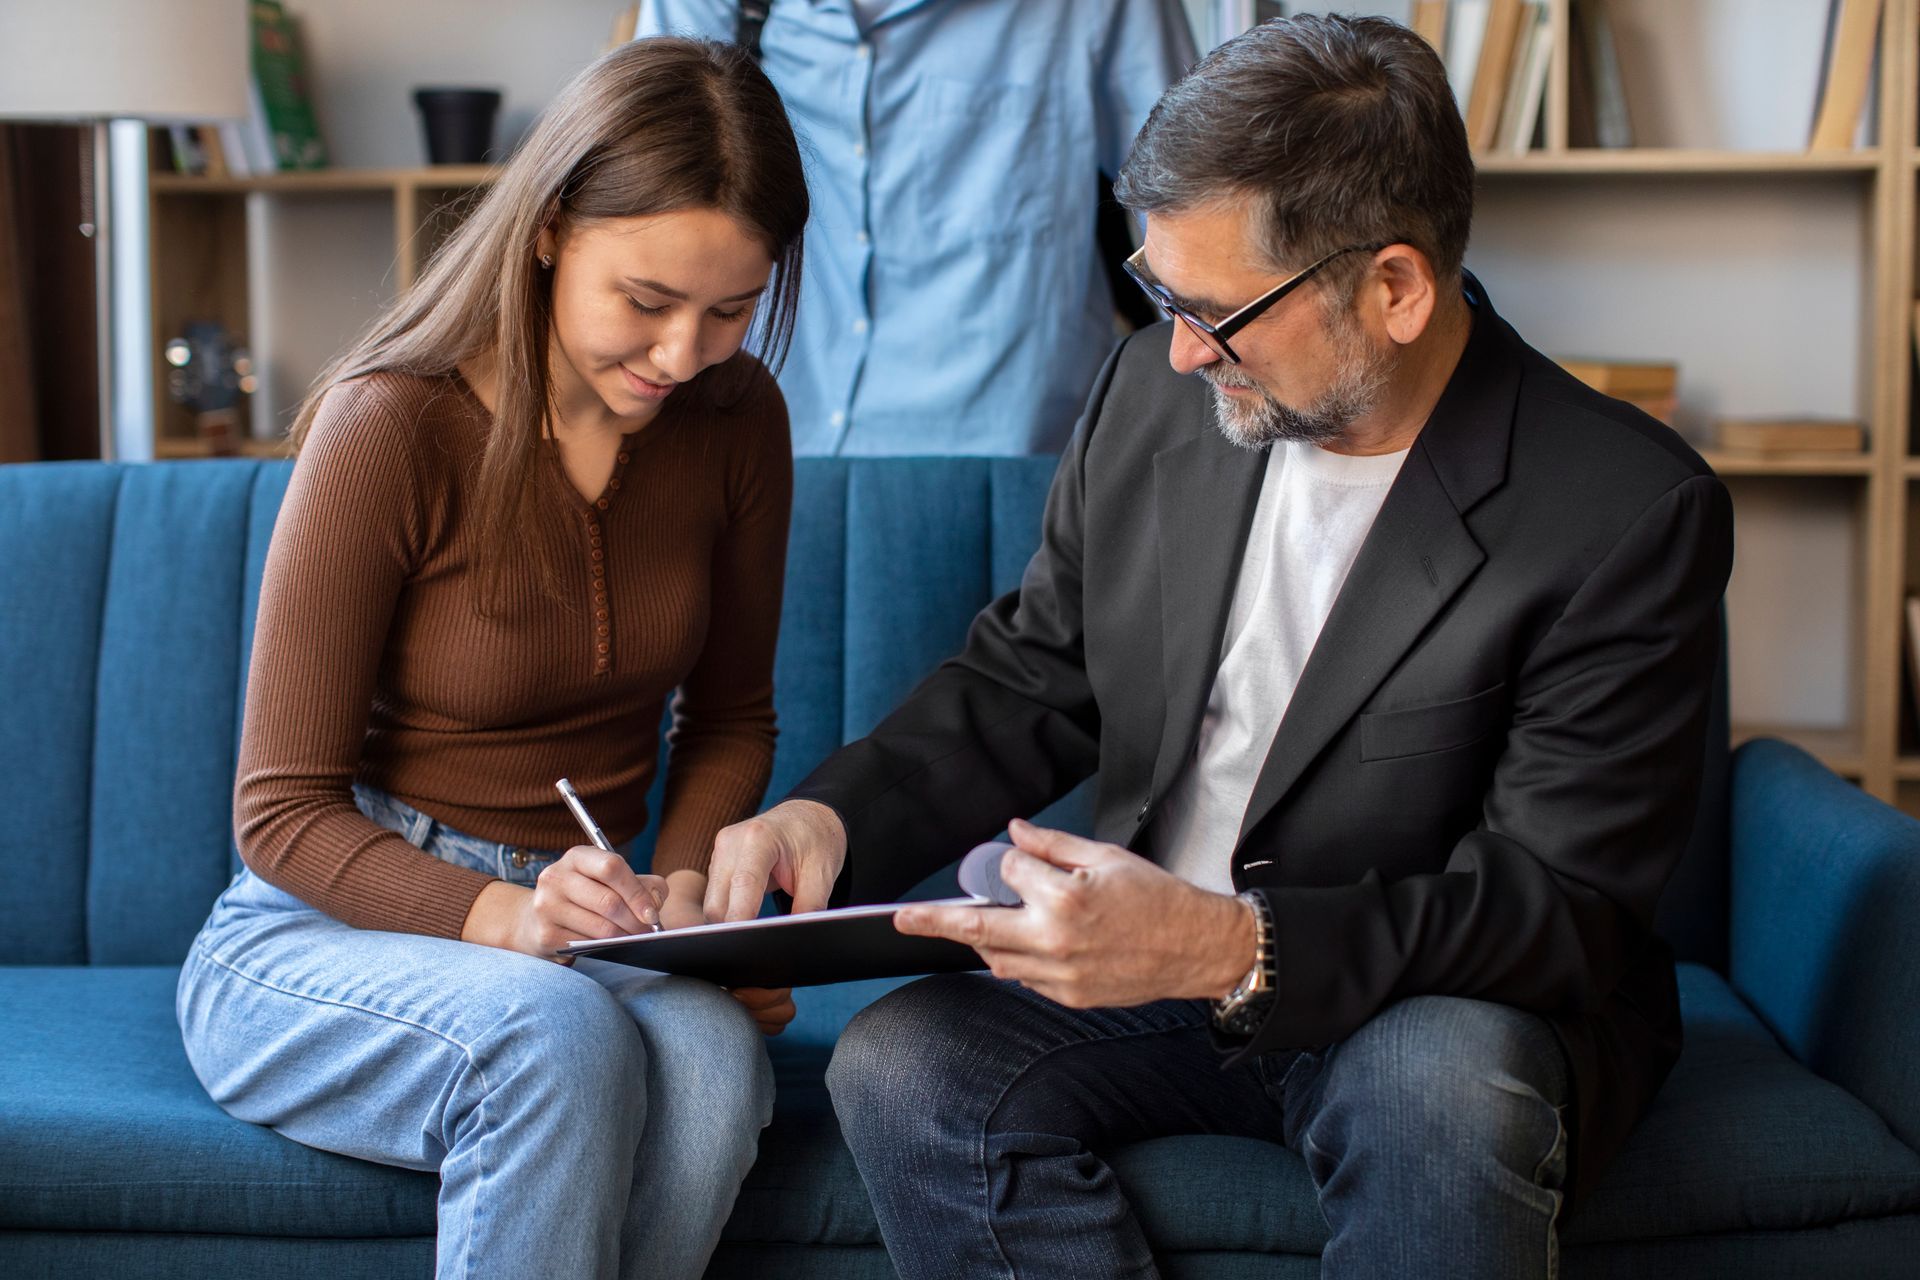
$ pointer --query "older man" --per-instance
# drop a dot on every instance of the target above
(1391, 645)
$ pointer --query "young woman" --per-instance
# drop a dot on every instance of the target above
(544, 492)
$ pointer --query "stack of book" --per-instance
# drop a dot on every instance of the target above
(1775, 437)
(281, 131)
(1649, 386)
(1497, 53)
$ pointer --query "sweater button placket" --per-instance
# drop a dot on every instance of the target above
(602, 629)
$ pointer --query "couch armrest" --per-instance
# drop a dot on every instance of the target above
(1826, 925)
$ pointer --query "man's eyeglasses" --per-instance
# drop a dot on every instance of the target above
(1215, 336)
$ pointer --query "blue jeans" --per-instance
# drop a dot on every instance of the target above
(592, 1121)
(978, 1113)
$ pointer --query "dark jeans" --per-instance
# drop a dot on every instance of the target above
(978, 1113)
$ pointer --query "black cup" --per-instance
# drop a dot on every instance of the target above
(459, 123)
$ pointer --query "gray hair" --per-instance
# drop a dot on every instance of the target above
(1343, 130)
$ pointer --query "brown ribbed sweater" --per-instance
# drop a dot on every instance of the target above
(371, 663)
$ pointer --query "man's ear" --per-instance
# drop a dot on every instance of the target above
(1409, 292)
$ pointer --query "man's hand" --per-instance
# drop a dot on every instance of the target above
(772, 1007)
(1101, 928)
(798, 845)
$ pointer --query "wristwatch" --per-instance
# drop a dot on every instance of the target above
(1245, 1007)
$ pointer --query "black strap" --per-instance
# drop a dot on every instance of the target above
(747, 24)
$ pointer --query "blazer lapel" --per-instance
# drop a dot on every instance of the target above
(1415, 559)
(1204, 494)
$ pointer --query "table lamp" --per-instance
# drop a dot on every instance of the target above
(120, 66)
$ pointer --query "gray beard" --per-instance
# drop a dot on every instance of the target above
(1258, 422)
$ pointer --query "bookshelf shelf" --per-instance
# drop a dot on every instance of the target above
(1907, 769)
(1681, 162)
(1734, 464)
(171, 448)
(320, 181)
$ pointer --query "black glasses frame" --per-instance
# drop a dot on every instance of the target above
(1214, 336)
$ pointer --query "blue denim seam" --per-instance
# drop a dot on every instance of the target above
(1559, 1197)
(980, 1161)
(486, 1090)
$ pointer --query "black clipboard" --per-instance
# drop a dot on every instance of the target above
(806, 950)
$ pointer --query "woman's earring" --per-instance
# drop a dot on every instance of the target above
(546, 260)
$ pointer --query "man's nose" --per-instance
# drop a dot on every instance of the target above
(1188, 354)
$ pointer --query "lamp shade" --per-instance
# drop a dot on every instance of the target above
(164, 61)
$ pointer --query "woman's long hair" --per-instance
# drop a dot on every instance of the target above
(652, 127)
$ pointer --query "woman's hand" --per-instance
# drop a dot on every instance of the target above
(586, 893)
(771, 1007)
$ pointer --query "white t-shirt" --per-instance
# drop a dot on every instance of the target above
(1314, 511)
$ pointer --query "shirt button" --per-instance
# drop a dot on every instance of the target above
(594, 542)
(622, 455)
(597, 552)
(863, 238)
(837, 418)
(601, 647)
(601, 631)
(860, 149)
(859, 326)
(600, 615)
(614, 483)
(863, 50)
(602, 504)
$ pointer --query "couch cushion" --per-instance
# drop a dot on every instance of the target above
(107, 1129)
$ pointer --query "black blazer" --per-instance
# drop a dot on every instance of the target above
(1492, 761)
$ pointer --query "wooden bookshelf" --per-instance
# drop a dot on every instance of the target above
(202, 250)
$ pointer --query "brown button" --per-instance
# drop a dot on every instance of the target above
(602, 504)
(622, 455)
(601, 647)
(601, 631)
(600, 614)
(599, 598)
(614, 483)
(519, 857)
(597, 552)
(593, 526)
(595, 541)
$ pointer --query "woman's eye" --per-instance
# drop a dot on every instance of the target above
(730, 316)
(644, 309)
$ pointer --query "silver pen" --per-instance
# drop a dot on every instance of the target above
(587, 824)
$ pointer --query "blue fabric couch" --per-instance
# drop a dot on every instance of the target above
(1783, 1144)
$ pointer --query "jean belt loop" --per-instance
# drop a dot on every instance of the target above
(419, 829)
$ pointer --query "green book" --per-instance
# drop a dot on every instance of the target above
(283, 97)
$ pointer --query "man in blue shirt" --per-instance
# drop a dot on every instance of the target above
(953, 300)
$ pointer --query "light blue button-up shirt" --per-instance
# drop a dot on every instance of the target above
(952, 300)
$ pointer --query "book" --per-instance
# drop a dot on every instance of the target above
(1527, 87)
(1430, 23)
(1627, 380)
(286, 131)
(1913, 649)
(188, 158)
(1790, 435)
(1854, 27)
(233, 147)
(213, 154)
(1597, 114)
(1466, 28)
(1492, 71)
